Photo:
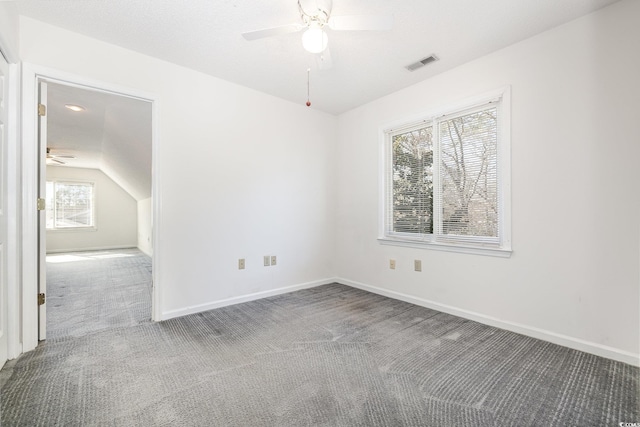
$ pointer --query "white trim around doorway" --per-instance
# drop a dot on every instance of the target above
(31, 76)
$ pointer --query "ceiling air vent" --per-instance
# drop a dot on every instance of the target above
(421, 63)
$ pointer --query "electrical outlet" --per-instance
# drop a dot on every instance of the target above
(417, 264)
(241, 264)
(392, 264)
(273, 260)
(267, 260)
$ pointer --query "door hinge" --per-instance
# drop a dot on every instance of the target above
(41, 299)
(42, 110)
(42, 204)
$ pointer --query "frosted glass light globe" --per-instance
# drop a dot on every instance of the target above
(315, 40)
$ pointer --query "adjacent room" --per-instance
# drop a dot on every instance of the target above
(98, 210)
(316, 212)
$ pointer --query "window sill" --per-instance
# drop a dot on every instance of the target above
(475, 250)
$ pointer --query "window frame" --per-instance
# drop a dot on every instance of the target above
(502, 248)
(93, 226)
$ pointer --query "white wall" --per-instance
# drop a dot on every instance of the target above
(145, 244)
(9, 34)
(573, 276)
(239, 174)
(116, 215)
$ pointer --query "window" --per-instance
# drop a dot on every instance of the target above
(446, 179)
(70, 205)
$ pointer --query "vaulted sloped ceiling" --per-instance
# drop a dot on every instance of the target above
(112, 134)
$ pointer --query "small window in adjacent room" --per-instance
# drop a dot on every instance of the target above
(446, 179)
(70, 205)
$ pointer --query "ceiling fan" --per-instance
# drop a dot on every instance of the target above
(54, 158)
(316, 17)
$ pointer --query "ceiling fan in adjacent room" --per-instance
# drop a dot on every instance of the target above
(55, 158)
(316, 18)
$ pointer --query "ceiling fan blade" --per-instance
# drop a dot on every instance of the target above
(51, 155)
(323, 60)
(361, 22)
(270, 32)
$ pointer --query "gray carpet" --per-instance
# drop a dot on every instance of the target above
(92, 291)
(327, 356)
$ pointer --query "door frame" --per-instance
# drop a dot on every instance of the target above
(31, 77)
(13, 212)
(8, 194)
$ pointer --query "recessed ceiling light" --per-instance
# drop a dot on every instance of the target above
(74, 107)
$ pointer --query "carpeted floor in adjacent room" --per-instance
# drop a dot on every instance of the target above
(326, 356)
(92, 291)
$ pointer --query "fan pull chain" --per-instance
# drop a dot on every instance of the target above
(308, 72)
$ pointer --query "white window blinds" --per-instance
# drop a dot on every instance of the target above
(70, 205)
(413, 181)
(468, 177)
(443, 179)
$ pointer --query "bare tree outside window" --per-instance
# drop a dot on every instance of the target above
(413, 181)
(469, 179)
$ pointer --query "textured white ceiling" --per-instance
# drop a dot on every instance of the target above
(205, 35)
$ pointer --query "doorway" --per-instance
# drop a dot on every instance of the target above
(97, 184)
(112, 160)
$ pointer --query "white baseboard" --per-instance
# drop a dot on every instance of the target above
(148, 253)
(563, 340)
(560, 339)
(166, 315)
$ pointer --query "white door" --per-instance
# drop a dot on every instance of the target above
(42, 220)
(4, 113)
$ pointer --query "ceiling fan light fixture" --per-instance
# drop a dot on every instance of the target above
(315, 40)
(74, 107)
